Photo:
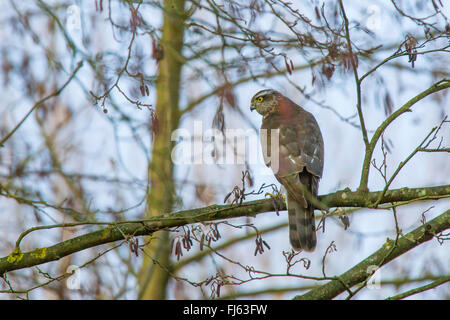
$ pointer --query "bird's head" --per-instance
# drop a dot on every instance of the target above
(265, 101)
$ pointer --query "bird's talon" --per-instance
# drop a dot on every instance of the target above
(279, 195)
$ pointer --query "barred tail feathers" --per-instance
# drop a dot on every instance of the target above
(302, 230)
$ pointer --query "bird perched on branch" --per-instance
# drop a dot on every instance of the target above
(292, 146)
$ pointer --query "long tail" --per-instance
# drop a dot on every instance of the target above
(293, 234)
(302, 229)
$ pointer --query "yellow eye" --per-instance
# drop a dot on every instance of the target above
(260, 99)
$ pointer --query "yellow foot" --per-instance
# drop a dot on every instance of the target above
(279, 195)
(275, 198)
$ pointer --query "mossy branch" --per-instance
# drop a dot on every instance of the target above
(117, 231)
(389, 251)
(280, 290)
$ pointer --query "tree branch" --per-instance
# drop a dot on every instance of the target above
(438, 86)
(388, 252)
(353, 60)
(40, 102)
(429, 286)
(117, 231)
(277, 290)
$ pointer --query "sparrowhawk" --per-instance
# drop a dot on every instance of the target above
(300, 159)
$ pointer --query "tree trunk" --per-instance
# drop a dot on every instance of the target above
(153, 276)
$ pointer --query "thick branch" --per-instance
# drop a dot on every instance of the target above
(117, 231)
(280, 290)
(384, 255)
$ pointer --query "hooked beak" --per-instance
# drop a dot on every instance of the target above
(252, 107)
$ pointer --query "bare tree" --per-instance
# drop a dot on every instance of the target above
(99, 98)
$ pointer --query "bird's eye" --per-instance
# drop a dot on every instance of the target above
(260, 99)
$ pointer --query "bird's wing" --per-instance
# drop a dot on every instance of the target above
(302, 143)
(298, 168)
